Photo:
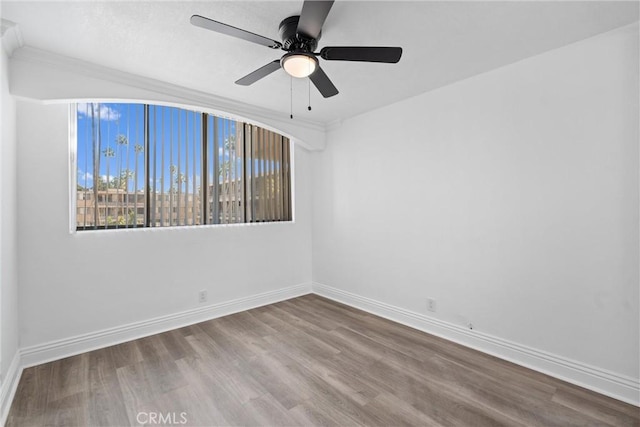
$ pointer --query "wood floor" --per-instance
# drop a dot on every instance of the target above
(306, 361)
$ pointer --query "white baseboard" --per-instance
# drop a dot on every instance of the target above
(9, 386)
(55, 350)
(614, 385)
(601, 381)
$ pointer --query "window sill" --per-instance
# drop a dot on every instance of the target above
(187, 228)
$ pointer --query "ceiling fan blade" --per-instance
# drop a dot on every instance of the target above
(365, 54)
(219, 27)
(322, 82)
(313, 16)
(261, 72)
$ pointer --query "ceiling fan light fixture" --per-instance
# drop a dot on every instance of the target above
(299, 64)
(300, 35)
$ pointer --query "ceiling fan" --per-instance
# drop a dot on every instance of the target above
(300, 36)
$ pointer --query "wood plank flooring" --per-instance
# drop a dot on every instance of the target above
(305, 361)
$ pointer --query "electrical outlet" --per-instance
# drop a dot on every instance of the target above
(431, 304)
(202, 296)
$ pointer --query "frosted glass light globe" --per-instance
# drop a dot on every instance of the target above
(299, 64)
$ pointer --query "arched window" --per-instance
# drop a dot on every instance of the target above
(141, 165)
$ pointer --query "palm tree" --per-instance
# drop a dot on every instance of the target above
(108, 153)
(225, 171)
(101, 183)
(172, 170)
(180, 179)
(138, 149)
(229, 146)
(177, 179)
(122, 182)
(120, 141)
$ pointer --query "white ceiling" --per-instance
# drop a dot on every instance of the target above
(443, 42)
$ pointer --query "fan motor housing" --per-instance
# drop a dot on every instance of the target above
(291, 40)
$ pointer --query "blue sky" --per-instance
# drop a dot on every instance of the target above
(167, 126)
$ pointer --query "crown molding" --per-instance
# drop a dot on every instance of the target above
(11, 36)
(334, 124)
(40, 57)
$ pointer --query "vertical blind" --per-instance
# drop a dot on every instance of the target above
(143, 165)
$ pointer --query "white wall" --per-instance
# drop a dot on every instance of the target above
(511, 198)
(8, 227)
(89, 281)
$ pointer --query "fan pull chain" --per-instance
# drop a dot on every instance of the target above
(291, 105)
(309, 81)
